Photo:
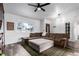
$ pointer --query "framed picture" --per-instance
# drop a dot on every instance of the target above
(10, 25)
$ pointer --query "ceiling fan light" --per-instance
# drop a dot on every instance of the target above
(39, 8)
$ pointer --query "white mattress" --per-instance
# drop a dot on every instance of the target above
(40, 44)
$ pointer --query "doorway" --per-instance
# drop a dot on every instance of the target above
(48, 28)
(2, 40)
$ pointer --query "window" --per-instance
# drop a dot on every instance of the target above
(25, 27)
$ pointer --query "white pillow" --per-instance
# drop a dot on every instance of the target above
(44, 34)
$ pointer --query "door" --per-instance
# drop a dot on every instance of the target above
(2, 41)
(48, 28)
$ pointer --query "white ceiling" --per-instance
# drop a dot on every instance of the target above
(28, 11)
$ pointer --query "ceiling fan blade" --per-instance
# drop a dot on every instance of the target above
(35, 10)
(44, 4)
(42, 9)
(32, 5)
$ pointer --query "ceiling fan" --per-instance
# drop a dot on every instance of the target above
(39, 6)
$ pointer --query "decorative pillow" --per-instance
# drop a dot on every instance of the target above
(44, 34)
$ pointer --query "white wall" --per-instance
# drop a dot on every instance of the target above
(58, 22)
(76, 27)
(76, 30)
(58, 25)
(1, 18)
(13, 36)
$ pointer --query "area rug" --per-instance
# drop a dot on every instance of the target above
(53, 51)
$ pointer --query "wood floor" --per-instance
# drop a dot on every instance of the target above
(20, 49)
(15, 50)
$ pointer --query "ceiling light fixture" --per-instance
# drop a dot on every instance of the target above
(39, 8)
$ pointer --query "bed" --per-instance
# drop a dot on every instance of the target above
(41, 44)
